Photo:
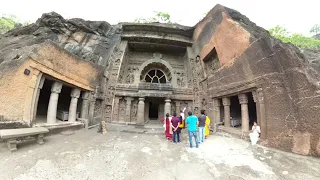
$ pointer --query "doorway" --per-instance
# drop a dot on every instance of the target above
(153, 111)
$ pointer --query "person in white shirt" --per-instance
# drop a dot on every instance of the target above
(182, 124)
(254, 135)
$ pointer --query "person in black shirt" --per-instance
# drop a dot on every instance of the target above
(202, 123)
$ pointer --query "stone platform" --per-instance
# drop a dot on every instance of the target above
(234, 132)
(149, 128)
(60, 127)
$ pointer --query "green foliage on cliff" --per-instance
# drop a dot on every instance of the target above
(159, 17)
(298, 40)
(8, 22)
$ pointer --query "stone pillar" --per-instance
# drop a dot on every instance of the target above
(216, 106)
(91, 107)
(255, 99)
(167, 107)
(263, 118)
(115, 115)
(53, 103)
(75, 94)
(178, 108)
(85, 105)
(226, 107)
(210, 111)
(128, 108)
(140, 115)
(243, 100)
(37, 98)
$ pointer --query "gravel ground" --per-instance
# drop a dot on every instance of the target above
(88, 155)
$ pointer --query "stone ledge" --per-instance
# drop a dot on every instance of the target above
(234, 132)
(55, 129)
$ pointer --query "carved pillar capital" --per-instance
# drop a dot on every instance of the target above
(141, 98)
(85, 95)
(93, 97)
(226, 101)
(75, 93)
(56, 87)
(255, 97)
(216, 102)
(128, 100)
(167, 100)
(243, 98)
(260, 95)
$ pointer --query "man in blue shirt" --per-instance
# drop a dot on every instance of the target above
(192, 122)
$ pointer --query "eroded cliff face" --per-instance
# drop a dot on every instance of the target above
(90, 40)
(57, 47)
(249, 59)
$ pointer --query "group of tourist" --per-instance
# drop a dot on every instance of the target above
(198, 127)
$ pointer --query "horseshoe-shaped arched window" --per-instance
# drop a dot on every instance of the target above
(155, 76)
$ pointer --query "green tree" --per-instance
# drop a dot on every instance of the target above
(315, 29)
(159, 17)
(298, 40)
(8, 22)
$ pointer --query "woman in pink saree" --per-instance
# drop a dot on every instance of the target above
(167, 126)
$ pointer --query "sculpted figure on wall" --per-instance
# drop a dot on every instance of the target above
(130, 76)
(196, 111)
(180, 81)
(180, 78)
(212, 64)
(117, 56)
(108, 111)
(204, 104)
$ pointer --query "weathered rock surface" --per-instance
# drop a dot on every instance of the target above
(250, 58)
(90, 40)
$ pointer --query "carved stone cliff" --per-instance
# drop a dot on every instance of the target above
(90, 40)
(249, 58)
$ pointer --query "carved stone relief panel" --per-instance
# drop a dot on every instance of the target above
(97, 108)
(130, 74)
(196, 111)
(108, 113)
(204, 104)
(181, 79)
(212, 63)
(117, 57)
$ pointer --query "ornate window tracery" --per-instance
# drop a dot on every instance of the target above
(155, 76)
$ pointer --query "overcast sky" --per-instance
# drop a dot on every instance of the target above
(298, 16)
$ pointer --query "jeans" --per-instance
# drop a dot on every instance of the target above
(201, 134)
(193, 134)
(176, 134)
